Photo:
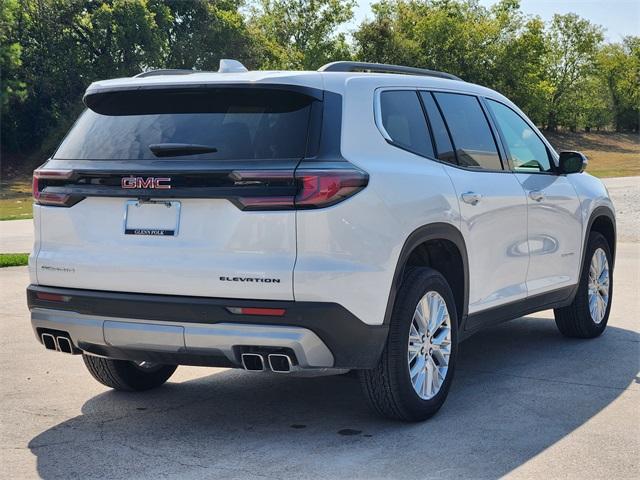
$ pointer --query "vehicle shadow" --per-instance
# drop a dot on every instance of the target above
(520, 388)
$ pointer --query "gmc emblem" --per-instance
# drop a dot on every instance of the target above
(158, 183)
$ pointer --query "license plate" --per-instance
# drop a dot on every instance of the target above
(152, 218)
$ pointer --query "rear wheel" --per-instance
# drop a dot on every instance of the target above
(413, 376)
(588, 314)
(127, 375)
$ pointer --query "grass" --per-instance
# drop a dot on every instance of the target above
(13, 259)
(610, 155)
(15, 199)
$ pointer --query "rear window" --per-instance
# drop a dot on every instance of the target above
(236, 123)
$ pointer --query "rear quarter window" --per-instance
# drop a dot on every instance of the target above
(403, 120)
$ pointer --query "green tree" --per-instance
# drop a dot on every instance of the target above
(12, 87)
(301, 33)
(618, 68)
(64, 45)
(198, 33)
(49, 70)
(498, 47)
(573, 43)
(10, 53)
(519, 69)
(117, 37)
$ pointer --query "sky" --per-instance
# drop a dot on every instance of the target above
(618, 17)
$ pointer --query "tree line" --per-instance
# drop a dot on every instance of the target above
(561, 73)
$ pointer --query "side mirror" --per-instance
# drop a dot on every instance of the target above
(572, 162)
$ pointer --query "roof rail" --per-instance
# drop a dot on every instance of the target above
(345, 66)
(165, 71)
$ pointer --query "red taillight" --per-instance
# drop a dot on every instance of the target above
(48, 198)
(316, 188)
(273, 312)
(323, 188)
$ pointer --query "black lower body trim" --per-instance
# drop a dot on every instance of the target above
(554, 299)
(353, 343)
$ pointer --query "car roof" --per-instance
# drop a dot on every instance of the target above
(332, 81)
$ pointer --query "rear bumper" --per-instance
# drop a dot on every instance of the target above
(201, 331)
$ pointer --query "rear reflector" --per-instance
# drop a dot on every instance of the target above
(52, 297)
(273, 312)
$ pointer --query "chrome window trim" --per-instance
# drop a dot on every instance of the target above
(377, 116)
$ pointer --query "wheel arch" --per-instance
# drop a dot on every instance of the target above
(417, 247)
(603, 221)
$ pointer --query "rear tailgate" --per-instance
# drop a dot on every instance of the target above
(163, 192)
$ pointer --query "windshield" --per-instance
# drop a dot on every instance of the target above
(233, 123)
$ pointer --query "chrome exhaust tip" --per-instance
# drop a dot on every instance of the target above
(49, 341)
(280, 363)
(253, 362)
(64, 345)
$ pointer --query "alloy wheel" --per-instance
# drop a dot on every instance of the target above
(598, 285)
(429, 345)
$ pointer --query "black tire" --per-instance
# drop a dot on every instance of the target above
(575, 320)
(126, 375)
(388, 386)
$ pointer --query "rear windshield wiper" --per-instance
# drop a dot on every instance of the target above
(179, 149)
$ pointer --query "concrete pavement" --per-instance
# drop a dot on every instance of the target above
(16, 236)
(526, 403)
(625, 193)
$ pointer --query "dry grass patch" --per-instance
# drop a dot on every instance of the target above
(610, 154)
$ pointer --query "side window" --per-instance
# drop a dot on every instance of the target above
(438, 129)
(528, 153)
(472, 137)
(404, 121)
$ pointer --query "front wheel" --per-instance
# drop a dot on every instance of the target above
(127, 375)
(414, 373)
(588, 314)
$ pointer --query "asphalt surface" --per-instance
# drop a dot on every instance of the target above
(16, 236)
(526, 403)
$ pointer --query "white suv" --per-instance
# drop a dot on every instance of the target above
(362, 217)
